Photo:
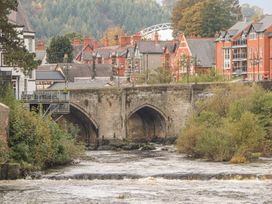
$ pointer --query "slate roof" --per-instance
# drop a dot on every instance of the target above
(150, 47)
(238, 28)
(47, 67)
(204, 50)
(20, 18)
(263, 24)
(49, 75)
(86, 70)
(106, 52)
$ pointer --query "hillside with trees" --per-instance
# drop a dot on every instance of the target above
(92, 17)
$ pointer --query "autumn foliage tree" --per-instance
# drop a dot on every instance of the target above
(111, 33)
(205, 17)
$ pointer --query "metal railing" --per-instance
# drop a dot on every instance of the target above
(47, 97)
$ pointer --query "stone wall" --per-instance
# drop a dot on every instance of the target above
(4, 122)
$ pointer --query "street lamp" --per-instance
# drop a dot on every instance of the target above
(65, 60)
(94, 67)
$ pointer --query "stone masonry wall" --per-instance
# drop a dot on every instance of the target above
(4, 120)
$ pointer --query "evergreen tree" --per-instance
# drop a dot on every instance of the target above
(59, 46)
(92, 17)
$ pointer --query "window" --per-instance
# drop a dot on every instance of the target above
(226, 58)
(252, 35)
(250, 56)
(261, 56)
(261, 35)
(30, 45)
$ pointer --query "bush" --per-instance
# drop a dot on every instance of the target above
(233, 125)
(37, 142)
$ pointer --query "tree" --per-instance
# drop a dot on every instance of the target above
(180, 7)
(252, 12)
(205, 18)
(59, 46)
(72, 36)
(160, 76)
(12, 44)
(111, 33)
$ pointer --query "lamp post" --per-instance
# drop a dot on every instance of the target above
(254, 62)
(94, 67)
(65, 60)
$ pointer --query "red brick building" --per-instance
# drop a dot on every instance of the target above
(199, 51)
(246, 50)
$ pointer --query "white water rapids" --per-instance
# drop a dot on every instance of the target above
(145, 177)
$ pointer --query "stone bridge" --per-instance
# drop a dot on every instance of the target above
(135, 114)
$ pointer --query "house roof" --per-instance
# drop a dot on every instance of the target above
(150, 47)
(263, 24)
(47, 67)
(49, 75)
(86, 70)
(238, 28)
(77, 49)
(20, 18)
(204, 50)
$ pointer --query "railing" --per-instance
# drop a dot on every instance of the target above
(46, 97)
(239, 56)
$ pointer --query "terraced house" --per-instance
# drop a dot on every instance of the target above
(20, 82)
(246, 50)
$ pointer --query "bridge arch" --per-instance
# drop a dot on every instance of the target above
(89, 129)
(146, 123)
(155, 28)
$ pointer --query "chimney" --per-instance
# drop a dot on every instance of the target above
(124, 41)
(95, 45)
(106, 42)
(116, 40)
(87, 41)
(156, 38)
(136, 38)
(40, 45)
(76, 41)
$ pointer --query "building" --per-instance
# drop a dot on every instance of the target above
(199, 54)
(48, 75)
(245, 50)
(20, 82)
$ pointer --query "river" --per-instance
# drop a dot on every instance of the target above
(160, 176)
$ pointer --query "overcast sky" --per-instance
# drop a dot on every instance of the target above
(265, 4)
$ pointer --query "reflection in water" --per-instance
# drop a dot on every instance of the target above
(156, 177)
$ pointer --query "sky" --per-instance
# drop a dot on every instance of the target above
(264, 4)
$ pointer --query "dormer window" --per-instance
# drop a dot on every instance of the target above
(252, 35)
(244, 36)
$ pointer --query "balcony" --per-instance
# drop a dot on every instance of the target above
(239, 44)
(240, 57)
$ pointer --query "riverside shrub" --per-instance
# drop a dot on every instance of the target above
(232, 125)
(37, 142)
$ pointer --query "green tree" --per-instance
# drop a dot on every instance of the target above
(252, 12)
(205, 18)
(59, 46)
(160, 76)
(12, 44)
